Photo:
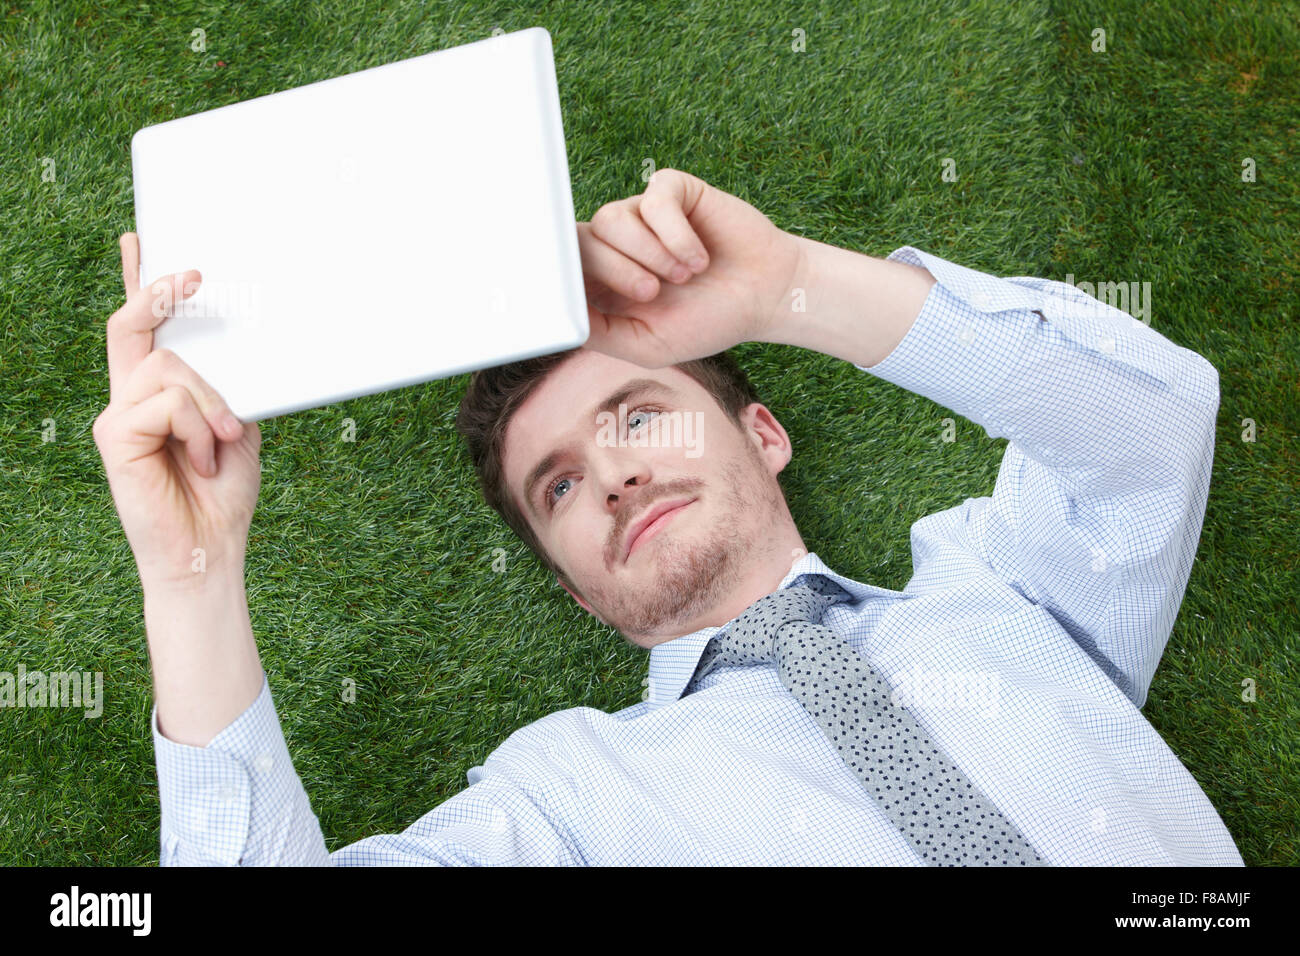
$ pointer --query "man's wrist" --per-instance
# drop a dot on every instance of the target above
(204, 571)
(850, 305)
(203, 588)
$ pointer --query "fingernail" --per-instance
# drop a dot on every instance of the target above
(696, 263)
(230, 425)
(645, 288)
(680, 273)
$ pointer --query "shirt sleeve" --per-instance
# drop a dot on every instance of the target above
(1098, 504)
(502, 818)
(239, 801)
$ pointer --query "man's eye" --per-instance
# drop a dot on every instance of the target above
(642, 413)
(550, 488)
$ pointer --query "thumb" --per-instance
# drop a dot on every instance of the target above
(252, 434)
(626, 337)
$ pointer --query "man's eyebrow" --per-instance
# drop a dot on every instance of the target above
(629, 390)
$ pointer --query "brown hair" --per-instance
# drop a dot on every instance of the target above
(495, 394)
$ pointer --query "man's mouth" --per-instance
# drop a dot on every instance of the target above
(652, 523)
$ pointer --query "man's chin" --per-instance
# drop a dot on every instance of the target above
(674, 584)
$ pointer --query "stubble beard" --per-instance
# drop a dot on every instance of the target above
(693, 575)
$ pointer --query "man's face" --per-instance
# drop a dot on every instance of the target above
(586, 486)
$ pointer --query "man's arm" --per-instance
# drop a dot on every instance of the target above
(1098, 505)
(227, 787)
(239, 801)
(185, 476)
(185, 473)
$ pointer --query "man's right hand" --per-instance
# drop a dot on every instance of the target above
(183, 470)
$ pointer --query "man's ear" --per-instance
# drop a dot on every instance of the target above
(573, 594)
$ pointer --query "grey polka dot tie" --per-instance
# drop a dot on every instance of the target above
(933, 804)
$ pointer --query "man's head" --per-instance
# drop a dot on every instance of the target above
(576, 481)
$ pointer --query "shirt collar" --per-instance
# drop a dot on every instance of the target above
(673, 663)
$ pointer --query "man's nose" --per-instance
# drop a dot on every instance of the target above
(623, 477)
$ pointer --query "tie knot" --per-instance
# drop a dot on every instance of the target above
(753, 635)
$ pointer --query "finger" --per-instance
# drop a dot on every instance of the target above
(130, 328)
(605, 267)
(144, 428)
(669, 199)
(162, 369)
(625, 337)
(130, 244)
(620, 227)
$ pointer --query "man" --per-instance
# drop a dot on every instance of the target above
(986, 714)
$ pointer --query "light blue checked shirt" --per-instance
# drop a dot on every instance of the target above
(1023, 644)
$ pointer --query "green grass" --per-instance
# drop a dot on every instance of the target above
(372, 560)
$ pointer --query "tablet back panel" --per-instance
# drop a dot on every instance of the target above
(400, 224)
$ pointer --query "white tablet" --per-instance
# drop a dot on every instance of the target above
(400, 224)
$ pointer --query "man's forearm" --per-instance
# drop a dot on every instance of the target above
(206, 669)
(856, 308)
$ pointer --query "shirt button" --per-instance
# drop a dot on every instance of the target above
(225, 793)
(967, 336)
(981, 299)
(263, 763)
(1108, 345)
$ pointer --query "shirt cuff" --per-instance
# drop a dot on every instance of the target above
(955, 340)
(208, 794)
